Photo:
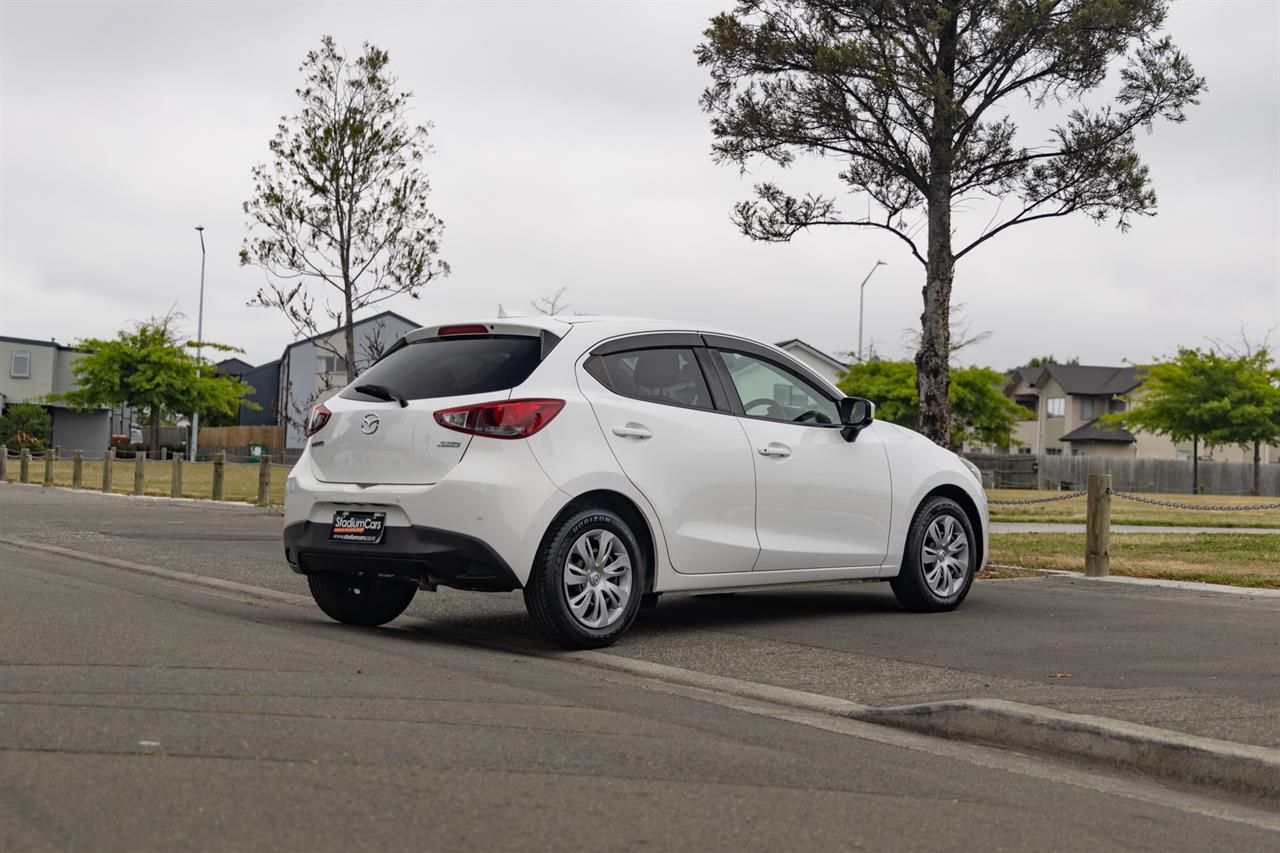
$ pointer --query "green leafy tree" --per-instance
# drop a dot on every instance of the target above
(149, 369)
(982, 414)
(341, 210)
(1206, 396)
(1046, 360)
(1250, 407)
(26, 426)
(914, 100)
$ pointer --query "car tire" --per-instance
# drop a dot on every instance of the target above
(576, 593)
(357, 600)
(940, 559)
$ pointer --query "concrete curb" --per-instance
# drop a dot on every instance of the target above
(1159, 583)
(1173, 756)
(1158, 753)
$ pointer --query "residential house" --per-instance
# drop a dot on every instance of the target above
(265, 381)
(314, 369)
(31, 370)
(1066, 401)
(826, 366)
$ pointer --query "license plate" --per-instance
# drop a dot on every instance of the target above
(358, 527)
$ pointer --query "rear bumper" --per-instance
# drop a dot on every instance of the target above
(423, 554)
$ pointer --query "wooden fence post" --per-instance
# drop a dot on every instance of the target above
(49, 456)
(175, 482)
(107, 459)
(77, 469)
(4, 460)
(264, 480)
(24, 466)
(139, 475)
(1097, 530)
(219, 462)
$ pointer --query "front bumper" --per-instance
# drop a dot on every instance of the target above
(422, 554)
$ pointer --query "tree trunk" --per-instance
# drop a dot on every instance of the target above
(1257, 468)
(349, 338)
(1195, 465)
(933, 371)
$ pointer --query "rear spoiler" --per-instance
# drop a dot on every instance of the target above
(548, 331)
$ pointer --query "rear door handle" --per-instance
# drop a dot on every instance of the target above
(632, 430)
(774, 448)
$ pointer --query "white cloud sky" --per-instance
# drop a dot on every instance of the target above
(570, 151)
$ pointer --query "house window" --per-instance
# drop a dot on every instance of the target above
(1086, 408)
(1057, 407)
(1116, 405)
(1183, 455)
(331, 364)
(1025, 451)
(1053, 451)
(20, 364)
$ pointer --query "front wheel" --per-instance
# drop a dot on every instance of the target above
(587, 581)
(940, 558)
(357, 600)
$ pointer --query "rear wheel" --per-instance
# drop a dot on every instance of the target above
(940, 558)
(357, 600)
(587, 581)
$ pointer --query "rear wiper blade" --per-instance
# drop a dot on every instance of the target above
(384, 393)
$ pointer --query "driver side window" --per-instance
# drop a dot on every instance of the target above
(775, 394)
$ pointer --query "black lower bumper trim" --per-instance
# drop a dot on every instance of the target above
(424, 554)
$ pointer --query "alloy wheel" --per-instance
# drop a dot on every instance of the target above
(945, 556)
(597, 578)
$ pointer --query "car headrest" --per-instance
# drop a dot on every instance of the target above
(657, 368)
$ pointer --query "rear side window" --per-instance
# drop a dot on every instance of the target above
(452, 367)
(670, 376)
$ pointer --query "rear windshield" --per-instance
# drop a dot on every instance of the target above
(452, 367)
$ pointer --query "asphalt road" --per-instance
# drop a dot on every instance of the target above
(142, 714)
(1199, 662)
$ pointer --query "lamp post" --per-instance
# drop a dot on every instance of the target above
(195, 416)
(861, 291)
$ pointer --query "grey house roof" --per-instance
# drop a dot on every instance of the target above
(1090, 380)
(1094, 431)
(361, 322)
(1086, 379)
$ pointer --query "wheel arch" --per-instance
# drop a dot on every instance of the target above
(623, 506)
(961, 497)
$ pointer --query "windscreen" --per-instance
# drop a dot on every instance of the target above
(452, 367)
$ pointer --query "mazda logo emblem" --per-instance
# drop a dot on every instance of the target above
(369, 425)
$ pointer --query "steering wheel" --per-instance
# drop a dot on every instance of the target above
(773, 411)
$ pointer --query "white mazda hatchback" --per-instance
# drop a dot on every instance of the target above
(597, 463)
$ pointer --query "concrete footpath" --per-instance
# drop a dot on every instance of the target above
(1191, 661)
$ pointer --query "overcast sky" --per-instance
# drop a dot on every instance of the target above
(570, 151)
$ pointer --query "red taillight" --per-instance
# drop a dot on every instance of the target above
(317, 419)
(507, 419)
(473, 329)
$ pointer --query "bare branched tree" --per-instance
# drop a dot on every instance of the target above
(342, 207)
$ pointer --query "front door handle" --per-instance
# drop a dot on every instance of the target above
(774, 448)
(632, 430)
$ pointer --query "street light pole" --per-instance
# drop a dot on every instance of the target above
(195, 416)
(862, 288)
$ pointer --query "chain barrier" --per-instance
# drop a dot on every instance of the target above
(1066, 496)
(1203, 507)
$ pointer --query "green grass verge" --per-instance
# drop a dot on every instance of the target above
(1251, 560)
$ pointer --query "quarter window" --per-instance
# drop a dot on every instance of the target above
(20, 364)
(770, 392)
(671, 376)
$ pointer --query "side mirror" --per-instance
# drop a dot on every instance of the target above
(856, 415)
